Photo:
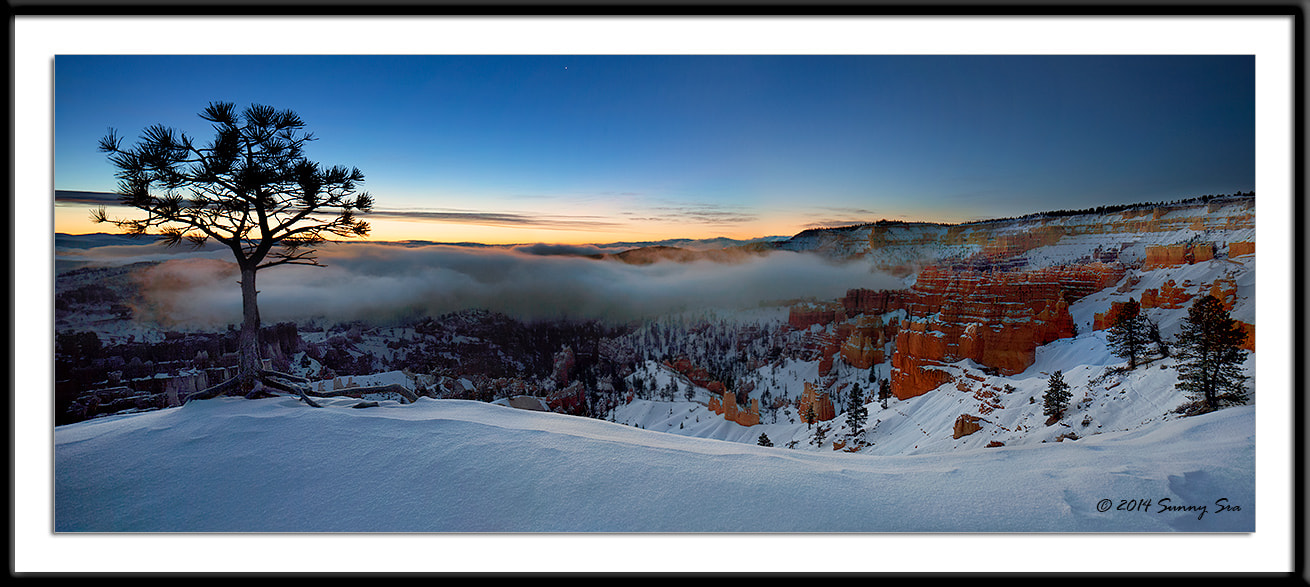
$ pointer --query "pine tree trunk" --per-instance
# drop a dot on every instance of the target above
(248, 362)
(1211, 374)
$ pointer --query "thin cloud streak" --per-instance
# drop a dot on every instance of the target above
(74, 197)
(624, 219)
(500, 219)
(456, 216)
(704, 214)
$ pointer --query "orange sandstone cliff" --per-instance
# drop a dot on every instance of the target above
(816, 401)
(997, 319)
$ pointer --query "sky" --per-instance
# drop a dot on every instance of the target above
(503, 149)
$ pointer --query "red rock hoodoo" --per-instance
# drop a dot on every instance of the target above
(1224, 289)
(1106, 319)
(965, 425)
(865, 341)
(818, 401)
(696, 375)
(1168, 296)
(727, 407)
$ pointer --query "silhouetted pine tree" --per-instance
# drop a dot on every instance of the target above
(1210, 356)
(252, 190)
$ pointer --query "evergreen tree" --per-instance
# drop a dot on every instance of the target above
(764, 440)
(856, 413)
(1210, 358)
(820, 435)
(252, 190)
(1056, 398)
(1128, 336)
(885, 389)
(1153, 334)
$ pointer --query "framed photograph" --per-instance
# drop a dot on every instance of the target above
(665, 293)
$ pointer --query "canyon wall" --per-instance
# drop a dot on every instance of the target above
(997, 319)
(994, 291)
(856, 303)
(1158, 256)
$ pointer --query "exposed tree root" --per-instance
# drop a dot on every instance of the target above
(213, 390)
(298, 386)
(280, 385)
(396, 388)
(281, 375)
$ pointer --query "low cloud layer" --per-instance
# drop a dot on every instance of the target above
(381, 282)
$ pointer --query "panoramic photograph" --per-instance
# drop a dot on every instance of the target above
(654, 294)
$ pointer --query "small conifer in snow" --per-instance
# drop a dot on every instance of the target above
(1056, 398)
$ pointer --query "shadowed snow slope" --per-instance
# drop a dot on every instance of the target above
(275, 465)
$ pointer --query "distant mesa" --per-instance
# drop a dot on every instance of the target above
(664, 253)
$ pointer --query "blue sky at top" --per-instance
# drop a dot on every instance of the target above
(604, 148)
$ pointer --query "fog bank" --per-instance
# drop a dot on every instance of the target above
(381, 283)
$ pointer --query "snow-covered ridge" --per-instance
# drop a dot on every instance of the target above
(1068, 237)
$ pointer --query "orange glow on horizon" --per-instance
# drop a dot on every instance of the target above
(76, 219)
(399, 230)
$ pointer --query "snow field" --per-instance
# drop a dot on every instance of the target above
(234, 465)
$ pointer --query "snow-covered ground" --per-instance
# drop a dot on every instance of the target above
(275, 465)
(233, 465)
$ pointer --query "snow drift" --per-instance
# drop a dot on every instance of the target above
(275, 465)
